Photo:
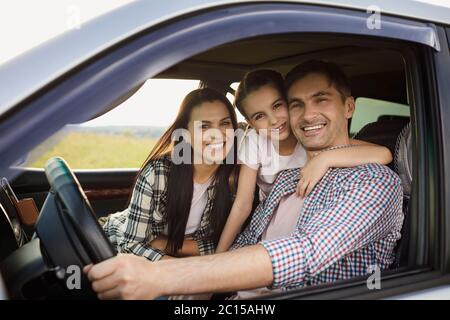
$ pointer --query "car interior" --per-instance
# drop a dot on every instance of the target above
(375, 71)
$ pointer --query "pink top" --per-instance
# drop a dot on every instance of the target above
(282, 225)
(285, 218)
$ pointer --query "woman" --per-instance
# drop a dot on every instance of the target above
(184, 191)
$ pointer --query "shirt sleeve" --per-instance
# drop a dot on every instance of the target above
(248, 151)
(206, 246)
(137, 225)
(248, 236)
(365, 211)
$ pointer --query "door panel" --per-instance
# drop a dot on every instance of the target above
(107, 190)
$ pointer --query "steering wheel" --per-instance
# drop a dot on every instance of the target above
(67, 226)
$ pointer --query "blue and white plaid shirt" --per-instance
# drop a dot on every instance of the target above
(350, 221)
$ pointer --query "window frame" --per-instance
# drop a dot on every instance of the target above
(441, 133)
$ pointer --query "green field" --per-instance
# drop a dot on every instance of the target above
(94, 151)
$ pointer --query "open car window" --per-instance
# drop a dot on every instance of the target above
(120, 138)
(369, 110)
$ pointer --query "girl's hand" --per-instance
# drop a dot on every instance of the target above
(311, 174)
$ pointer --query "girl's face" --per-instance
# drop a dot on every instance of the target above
(267, 111)
(211, 131)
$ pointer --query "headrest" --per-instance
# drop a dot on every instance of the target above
(383, 132)
(403, 159)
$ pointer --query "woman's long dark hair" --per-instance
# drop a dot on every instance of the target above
(181, 177)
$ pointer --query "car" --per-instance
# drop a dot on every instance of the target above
(396, 56)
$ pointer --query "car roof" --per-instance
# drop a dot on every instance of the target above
(36, 68)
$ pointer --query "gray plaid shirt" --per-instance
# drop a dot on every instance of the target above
(131, 230)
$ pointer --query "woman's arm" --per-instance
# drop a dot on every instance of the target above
(241, 209)
(189, 248)
(145, 198)
(362, 153)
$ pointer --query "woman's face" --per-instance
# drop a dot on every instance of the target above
(211, 131)
(267, 112)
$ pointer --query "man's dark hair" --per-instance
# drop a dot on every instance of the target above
(335, 75)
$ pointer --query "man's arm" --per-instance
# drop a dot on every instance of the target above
(132, 277)
(366, 210)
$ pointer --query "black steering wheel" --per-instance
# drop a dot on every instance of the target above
(67, 226)
(68, 237)
(75, 215)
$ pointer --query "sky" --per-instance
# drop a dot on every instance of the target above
(25, 24)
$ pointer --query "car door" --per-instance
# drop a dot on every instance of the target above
(97, 82)
(108, 190)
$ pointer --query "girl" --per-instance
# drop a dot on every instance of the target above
(178, 206)
(270, 147)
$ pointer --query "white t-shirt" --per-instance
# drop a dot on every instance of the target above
(198, 204)
(259, 153)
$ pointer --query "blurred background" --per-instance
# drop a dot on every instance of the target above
(121, 138)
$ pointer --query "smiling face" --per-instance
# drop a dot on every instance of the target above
(211, 131)
(318, 114)
(266, 109)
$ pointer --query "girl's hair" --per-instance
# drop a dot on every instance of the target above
(254, 80)
(181, 177)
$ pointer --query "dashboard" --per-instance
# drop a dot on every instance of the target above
(12, 235)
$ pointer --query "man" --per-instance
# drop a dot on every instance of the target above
(349, 222)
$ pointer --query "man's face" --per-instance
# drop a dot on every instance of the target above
(318, 116)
